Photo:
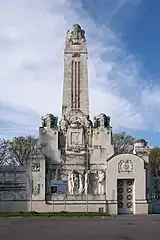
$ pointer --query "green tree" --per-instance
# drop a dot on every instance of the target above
(123, 143)
(24, 148)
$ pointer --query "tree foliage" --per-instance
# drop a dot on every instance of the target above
(24, 148)
(123, 143)
(20, 149)
(155, 160)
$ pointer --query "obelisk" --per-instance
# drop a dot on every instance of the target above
(75, 85)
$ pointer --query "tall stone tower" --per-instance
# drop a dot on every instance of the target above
(75, 146)
(75, 85)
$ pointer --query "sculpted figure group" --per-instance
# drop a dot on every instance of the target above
(79, 183)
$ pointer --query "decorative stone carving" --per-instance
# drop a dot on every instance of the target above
(101, 182)
(75, 183)
(76, 34)
(88, 122)
(125, 166)
(64, 124)
(94, 182)
(76, 149)
(36, 189)
(49, 121)
(76, 138)
(140, 147)
(81, 184)
(96, 122)
(44, 121)
(107, 121)
(76, 124)
(71, 183)
(86, 181)
(78, 119)
(101, 121)
(76, 55)
(36, 167)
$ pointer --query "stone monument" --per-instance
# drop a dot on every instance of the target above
(79, 152)
(77, 146)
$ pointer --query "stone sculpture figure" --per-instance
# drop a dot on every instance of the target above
(96, 122)
(70, 183)
(80, 190)
(86, 182)
(107, 121)
(101, 120)
(89, 122)
(94, 183)
(54, 121)
(64, 124)
(101, 178)
(44, 122)
(76, 183)
(76, 34)
(49, 121)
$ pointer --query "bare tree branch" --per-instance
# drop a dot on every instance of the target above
(24, 148)
(155, 160)
(123, 143)
(7, 156)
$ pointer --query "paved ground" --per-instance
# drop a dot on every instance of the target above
(108, 228)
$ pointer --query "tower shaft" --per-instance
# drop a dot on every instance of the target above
(75, 85)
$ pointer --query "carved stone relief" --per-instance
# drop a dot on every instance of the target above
(49, 121)
(36, 189)
(64, 124)
(86, 182)
(125, 166)
(76, 138)
(75, 35)
(76, 116)
(76, 55)
(36, 167)
(102, 121)
(101, 182)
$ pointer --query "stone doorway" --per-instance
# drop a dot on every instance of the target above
(125, 196)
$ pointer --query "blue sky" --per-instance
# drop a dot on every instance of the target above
(123, 45)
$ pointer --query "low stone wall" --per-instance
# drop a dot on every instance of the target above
(67, 206)
(83, 197)
(55, 206)
(14, 185)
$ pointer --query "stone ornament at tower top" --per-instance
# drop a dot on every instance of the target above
(76, 34)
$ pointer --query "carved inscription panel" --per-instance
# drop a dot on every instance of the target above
(76, 138)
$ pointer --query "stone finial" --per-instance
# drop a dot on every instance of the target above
(140, 143)
(75, 34)
(49, 121)
(102, 121)
(141, 147)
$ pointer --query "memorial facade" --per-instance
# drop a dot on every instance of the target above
(79, 152)
(76, 169)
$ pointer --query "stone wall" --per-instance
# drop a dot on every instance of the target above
(14, 186)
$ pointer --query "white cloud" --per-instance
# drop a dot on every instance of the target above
(32, 40)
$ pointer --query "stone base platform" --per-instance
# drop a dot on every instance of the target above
(71, 204)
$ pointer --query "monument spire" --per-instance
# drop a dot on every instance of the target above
(75, 85)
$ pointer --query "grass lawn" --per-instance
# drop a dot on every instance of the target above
(50, 214)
